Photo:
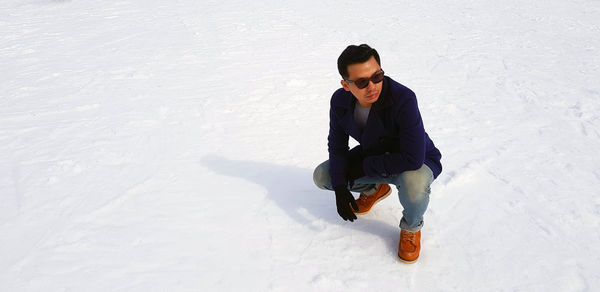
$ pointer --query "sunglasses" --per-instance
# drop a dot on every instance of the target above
(364, 82)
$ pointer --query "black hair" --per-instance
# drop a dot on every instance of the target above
(353, 55)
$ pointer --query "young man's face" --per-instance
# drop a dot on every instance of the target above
(368, 95)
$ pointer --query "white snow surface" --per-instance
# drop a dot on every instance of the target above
(169, 145)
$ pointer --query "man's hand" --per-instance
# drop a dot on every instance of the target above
(343, 199)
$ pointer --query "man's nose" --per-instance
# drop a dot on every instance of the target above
(371, 85)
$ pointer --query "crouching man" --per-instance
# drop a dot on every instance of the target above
(382, 115)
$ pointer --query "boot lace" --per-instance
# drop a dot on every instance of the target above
(408, 236)
(362, 197)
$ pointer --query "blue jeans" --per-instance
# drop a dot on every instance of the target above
(413, 191)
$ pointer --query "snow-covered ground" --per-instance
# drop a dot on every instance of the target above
(169, 145)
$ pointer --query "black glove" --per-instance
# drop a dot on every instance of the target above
(355, 170)
(343, 199)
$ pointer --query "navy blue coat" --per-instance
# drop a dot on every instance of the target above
(393, 140)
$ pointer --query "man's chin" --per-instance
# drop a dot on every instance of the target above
(372, 97)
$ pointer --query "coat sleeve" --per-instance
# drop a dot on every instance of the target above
(338, 150)
(408, 153)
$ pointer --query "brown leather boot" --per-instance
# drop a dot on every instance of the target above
(409, 246)
(366, 202)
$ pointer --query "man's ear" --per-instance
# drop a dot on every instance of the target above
(345, 85)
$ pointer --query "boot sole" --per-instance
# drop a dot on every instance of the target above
(406, 261)
(377, 201)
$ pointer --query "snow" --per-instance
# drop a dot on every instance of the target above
(169, 145)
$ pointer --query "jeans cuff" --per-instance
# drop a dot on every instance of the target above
(371, 191)
(404, 226)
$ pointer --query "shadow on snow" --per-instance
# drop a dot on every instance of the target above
(292, 189)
